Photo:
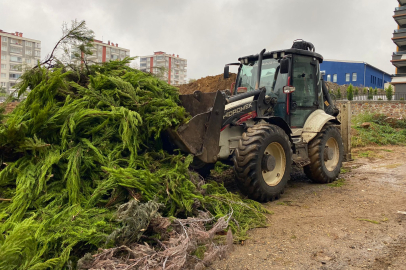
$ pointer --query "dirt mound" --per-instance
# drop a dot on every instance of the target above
(208, 84)
(11, 106)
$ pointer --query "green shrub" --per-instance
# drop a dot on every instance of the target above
(339, 93)
(389, 92)
(365, 90)
(356, 91)
(402, 98)
(350, 92)
(370, 94)
(375, 91)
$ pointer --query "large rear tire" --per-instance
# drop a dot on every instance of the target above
(326, 152)
(262, 162)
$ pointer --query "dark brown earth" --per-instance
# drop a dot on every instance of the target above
(208, 84)
(355, 225)
(10, 106)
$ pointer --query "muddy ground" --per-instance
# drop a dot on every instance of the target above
(351, 224)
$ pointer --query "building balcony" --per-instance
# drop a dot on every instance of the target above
(400, 16)
(402, 2)
(399, 59)
(398, 37)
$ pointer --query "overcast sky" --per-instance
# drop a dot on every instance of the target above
(211, 33)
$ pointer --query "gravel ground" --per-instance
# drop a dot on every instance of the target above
(351, 224)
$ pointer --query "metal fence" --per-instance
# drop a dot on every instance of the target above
(395, 96)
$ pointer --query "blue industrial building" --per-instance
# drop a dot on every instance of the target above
(355, 73)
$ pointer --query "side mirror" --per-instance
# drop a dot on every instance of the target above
(288, 89)
(226, 72)
(284, 66)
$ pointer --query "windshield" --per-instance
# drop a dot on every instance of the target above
(269, 74)
(271, 79)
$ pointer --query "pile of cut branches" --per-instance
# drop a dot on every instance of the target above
(83, 169)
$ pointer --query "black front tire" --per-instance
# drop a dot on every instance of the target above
(321, 170)
(248, 162)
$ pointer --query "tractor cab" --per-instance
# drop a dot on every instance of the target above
(291, 77)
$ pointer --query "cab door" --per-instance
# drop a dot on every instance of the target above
(304, 100)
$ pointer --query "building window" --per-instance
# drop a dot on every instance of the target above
(347, 77)
(143, 59)
(4, 47)
(14, 76)
(37, 53)
(4, 39)
(329, 78)
(28, 61)
(335, 78)
(37, 45)
(3, 84)
(16, 41)
(15, 67)
(354, 77)
(28, 52)
(28, 44)
(3, 66)
(3, 75)
(3, 56)
(16, 59)
(16, 50)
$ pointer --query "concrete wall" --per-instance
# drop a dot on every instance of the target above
(389, 108)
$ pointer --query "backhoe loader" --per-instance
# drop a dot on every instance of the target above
(277, 115)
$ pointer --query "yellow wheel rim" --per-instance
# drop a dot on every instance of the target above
(272, 178)
(332, 163)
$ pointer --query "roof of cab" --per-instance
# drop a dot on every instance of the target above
(268, 55)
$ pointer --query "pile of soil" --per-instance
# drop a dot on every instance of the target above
(11, 106)
(208, 84)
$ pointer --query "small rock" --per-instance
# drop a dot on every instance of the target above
(366, 125)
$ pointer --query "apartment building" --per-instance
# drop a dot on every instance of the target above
(17, 53)
(103, 52)
(169, 67)
(399, 57)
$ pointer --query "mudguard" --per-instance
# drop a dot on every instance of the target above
(315, 122)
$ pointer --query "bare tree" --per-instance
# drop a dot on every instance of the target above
(75, 43)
